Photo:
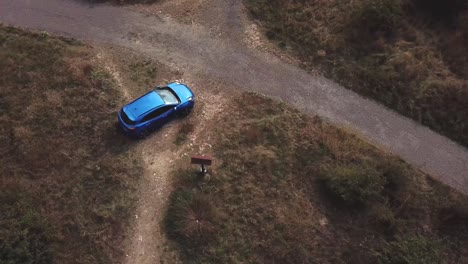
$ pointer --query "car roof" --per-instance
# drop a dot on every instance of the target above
(143, 104)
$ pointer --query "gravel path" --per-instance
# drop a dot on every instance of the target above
(198, 49)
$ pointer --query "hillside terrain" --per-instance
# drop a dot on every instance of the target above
(216, 50)
(286, 187)
(410, 55)
(67, 179)
(290, 189)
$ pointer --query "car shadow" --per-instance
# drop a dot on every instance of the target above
(116, 141)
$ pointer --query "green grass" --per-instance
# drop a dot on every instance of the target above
(289, 189)
(408, 54)
(66, 178)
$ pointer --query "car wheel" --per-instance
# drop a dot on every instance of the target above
(186, 111)
(143, 134)
(117, 127)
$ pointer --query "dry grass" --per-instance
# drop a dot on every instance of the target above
(66, 179)
(143, 72)
(411, 55)
(186, 128)
(412, 249)
(272, 205)
(124, 2)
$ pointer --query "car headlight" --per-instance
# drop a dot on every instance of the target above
(190, 98)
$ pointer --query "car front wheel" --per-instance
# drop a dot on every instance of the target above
(186, 111)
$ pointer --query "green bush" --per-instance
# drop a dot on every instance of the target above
(397, 175)
(414, 249)
(382, 216)
(353, 184)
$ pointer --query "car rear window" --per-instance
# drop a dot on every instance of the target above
(126, 119)
(168, 96)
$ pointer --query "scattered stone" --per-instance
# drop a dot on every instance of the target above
(322, 53)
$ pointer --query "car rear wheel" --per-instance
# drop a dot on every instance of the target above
(117, 127)
(143, 134)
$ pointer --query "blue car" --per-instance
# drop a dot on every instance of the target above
(140, 117)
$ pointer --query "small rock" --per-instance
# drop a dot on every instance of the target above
(206, 178)
(322, 53)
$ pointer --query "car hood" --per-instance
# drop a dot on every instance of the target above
(182, 91)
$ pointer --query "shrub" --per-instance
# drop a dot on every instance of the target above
(446, 10)
(383, 217)
(191, 215)
(413, 249)
(125, 2)
(397, 174)
(454, 217)
(353, 184)
(373, 16)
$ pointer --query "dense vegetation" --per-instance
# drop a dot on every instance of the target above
(66, 180)
(124, 2)
(289, 189)
(409, 54)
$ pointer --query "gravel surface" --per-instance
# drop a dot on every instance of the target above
(196, 48)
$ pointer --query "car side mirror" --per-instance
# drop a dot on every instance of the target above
(158, 87)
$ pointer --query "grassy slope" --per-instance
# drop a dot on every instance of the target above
(66, 179)
(281, 193)
(125, 2)
(411, 57)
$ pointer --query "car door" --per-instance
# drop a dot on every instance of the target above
(166, 114)
(157, 117)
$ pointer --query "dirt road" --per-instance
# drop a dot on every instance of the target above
(204, 50)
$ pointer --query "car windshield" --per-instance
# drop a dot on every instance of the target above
(168, 96)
